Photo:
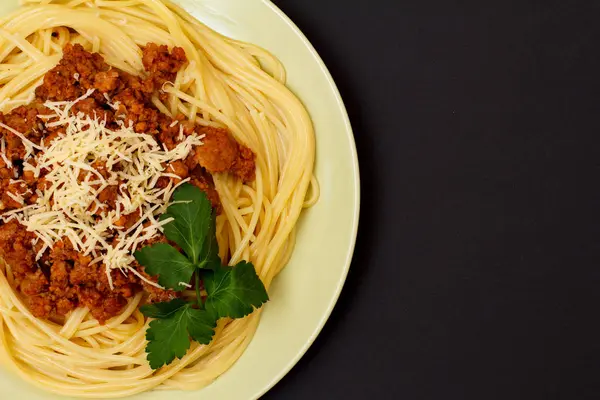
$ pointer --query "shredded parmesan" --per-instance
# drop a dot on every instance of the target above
(29, 145)
(16, 197)
(78, 166)
(3, 153)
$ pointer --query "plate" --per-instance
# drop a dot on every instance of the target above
(304, 294)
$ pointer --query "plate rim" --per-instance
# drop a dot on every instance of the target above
(357, 199)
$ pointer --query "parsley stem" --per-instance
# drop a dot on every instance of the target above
(199, 297)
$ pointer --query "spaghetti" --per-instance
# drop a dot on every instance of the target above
(225, 84)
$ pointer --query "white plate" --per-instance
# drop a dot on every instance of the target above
(303, 295)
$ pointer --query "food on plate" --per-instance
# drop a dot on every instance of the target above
(152, 173)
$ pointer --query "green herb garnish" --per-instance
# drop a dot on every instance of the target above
(171, 266)
(232, 292)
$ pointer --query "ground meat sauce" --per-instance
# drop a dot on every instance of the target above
(63, 279)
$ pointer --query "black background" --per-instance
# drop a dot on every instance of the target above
(476, 271)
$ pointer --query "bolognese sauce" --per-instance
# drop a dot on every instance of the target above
(62, 278)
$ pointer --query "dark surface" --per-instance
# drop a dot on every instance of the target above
(476, 274)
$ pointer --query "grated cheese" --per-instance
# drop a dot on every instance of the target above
(16, 197)
(29, 145)
(69, 206)
(3, 153)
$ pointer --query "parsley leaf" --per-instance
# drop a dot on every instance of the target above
(192, 214)
(210, 248)
(171, 266)
(163, 310)
(234, 292)
(169, 338)
(201, 325)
